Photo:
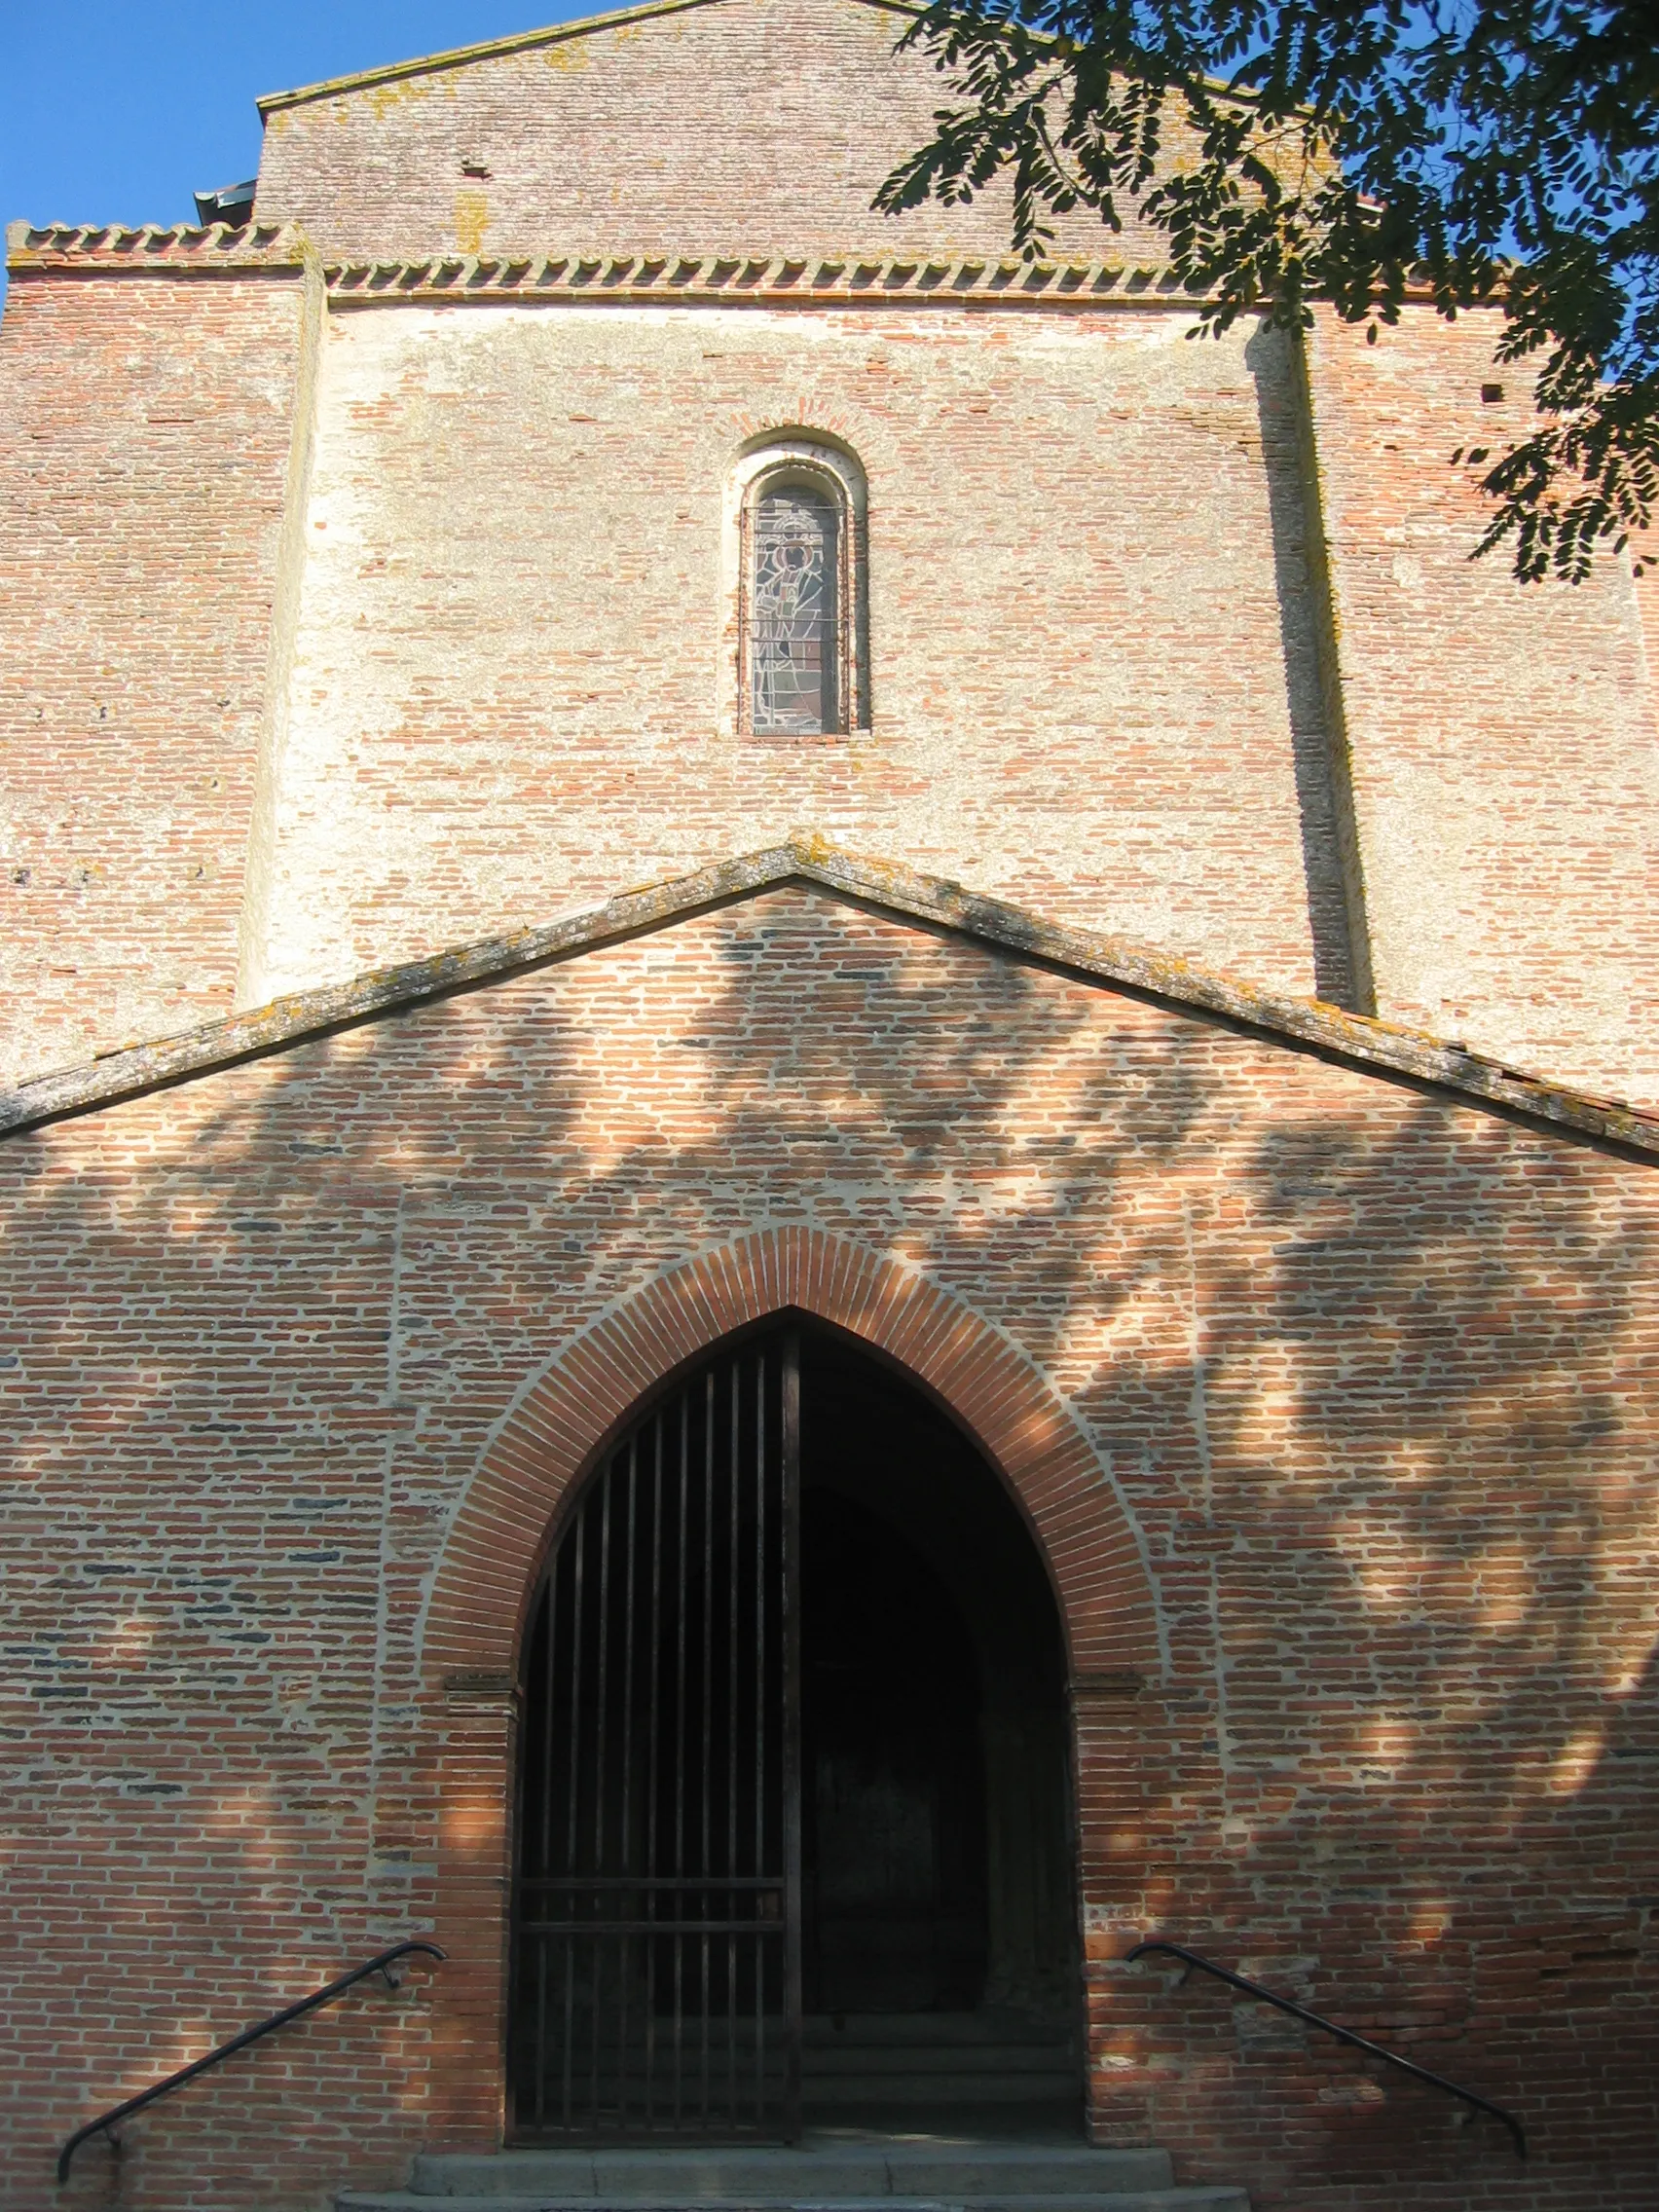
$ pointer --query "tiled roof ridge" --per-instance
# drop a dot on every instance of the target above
(1356, 1040)
(127, 246)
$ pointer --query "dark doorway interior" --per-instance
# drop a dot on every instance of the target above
(893, 1814)
(793, 1829)
(940, 1953)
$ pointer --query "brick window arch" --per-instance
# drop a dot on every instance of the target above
(797, 511)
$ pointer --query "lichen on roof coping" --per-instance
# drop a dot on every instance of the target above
(1373, 1047)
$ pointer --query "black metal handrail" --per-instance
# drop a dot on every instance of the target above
(1343, 2035)
(107, 2122)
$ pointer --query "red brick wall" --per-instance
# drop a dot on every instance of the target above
(144, 437)
(1505, 756)
(753, 126)
(1094, 617)
(1646, 550)
(1365, 1376)
(1091, 640)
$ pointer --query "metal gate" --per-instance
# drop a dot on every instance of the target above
(657, 1941)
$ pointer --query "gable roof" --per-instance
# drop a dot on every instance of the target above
(681, 126)
(516, 42)
(1375, 1047)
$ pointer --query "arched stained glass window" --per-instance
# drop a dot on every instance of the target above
(793, 641)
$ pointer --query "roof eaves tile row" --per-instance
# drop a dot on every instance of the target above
(143, 245)
(772, 278)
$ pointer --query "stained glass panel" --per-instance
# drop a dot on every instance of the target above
(792, 640)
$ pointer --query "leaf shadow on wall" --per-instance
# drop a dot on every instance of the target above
(1359, 1357)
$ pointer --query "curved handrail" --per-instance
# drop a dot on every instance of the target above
(1343, 2035)
(318, 1997)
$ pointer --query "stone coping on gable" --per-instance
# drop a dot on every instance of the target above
(1357, 1040)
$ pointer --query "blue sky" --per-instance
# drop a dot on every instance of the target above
(115, 111)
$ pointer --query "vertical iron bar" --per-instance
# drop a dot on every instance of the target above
(571, 1940)
(733, 1556)
(576, 1686)
(626, 1862)
(602, 1747)
(790, 1533)
(602, 1710)
(596, 1999)
(539, 2096)
(569, 1946)
(550, 1684)
(680, 1759)
(763, 1476)
(707, 1687)
(544, 1943)
(678, 2024)
(652, 1855)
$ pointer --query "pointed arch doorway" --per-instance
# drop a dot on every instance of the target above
(794, 1838)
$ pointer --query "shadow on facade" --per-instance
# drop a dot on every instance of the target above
(1330, 850)
(1375, 1442)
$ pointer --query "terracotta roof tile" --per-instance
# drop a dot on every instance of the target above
(140, 246)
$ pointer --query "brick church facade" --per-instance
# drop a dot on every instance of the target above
(637, 797)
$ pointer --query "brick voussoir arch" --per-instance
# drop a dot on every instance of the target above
(559, 1429)
(491, 1561)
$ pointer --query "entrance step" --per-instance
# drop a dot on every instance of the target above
(833, 2175)
(881, 2061)
(1219, 2199)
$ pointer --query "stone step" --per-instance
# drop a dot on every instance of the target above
(1029, 2074)
(960, 2058)
(827, 2059)
(892, 2030)
(831, 2173)
(939, 2091)
(1204, 2199)
(865, 2031)
(815, 2173)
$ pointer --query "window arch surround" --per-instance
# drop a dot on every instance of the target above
(795, 516)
